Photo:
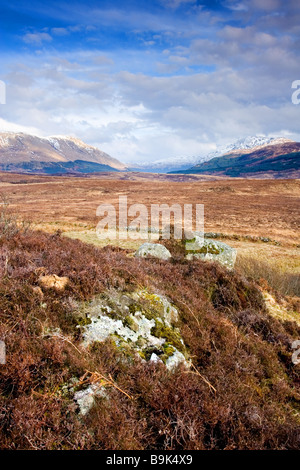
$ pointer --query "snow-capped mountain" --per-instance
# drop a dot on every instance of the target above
(184, 163)
(165, 165)
(279, 158)
(253, 142)
(17, 149)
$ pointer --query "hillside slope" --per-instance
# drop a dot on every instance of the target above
(77, 167)
(172, 164)
(17, 149)
(277, 161)
(241, 391)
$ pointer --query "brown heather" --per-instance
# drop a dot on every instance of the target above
(236, 348)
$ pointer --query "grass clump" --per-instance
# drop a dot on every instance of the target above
(277, 275)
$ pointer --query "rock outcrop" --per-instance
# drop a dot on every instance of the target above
(85, 399)
(211, 250)
(142, 323)
(153, 250)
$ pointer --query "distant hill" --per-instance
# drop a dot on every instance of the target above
(185, 162)
(278, 160)
(77, 167)
(51, 155)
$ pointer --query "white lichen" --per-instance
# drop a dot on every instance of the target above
(85, 399)
(133, 319)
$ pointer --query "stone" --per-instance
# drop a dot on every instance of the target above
(85, 399)
(154, 358)
(139, 323)
(211, 250)
(176, 359)
(102, 327)
(154, 250)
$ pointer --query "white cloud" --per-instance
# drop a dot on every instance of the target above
(202, 83)
(36, 38)
(176, 3)
(6, 126)
(60, 31)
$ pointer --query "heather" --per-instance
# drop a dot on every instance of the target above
(241, 391)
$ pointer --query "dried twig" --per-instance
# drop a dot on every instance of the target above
(63, 338)
(192, 313)
(202, 377)
(96, 377)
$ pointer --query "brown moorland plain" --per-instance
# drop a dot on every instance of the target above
(268, 208)
(241, 209)
(242, 389)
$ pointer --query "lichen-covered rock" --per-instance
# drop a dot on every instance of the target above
(141, 323)
(85, 399)
(102, 326)
(211, 250)
(174, 360)
(154, 358)
(154, 250)
(160, 304)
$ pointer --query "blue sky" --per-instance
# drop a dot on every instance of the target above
(146, 80)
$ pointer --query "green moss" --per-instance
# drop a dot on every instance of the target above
(123, 346)
(142, 354)
(168, 351)
(160, 330)
(133, 308)
(151, 306)
(83, 321)
(209, 249)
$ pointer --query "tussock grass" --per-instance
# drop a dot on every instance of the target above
(10, 224)
(276, 273)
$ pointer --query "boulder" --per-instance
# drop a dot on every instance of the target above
(141, 324)
(211, 250)
(154, 250)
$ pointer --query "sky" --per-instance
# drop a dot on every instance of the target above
(145, 80)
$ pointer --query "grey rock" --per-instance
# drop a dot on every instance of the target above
(154, 358)
(124, 317)
(85, 399)
(102, 326)
(176, 359)
(154, 250)
(211, 250)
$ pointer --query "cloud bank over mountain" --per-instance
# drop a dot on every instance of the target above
(151, 80)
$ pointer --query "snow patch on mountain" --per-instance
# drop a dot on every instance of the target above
(184, 163)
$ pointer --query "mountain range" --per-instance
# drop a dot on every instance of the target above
(258, 156)
(25, 153)
(279, 158)
(176, 164)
